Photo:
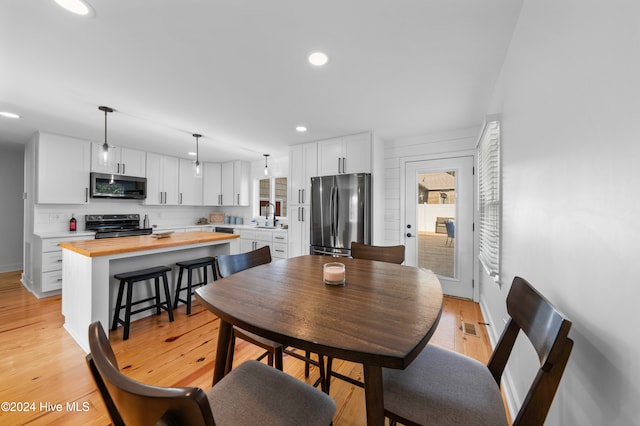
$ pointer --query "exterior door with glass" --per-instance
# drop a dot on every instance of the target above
(439, 221)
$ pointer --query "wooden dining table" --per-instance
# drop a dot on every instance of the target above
(382, 317)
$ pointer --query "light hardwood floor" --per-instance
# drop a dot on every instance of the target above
(43, 371)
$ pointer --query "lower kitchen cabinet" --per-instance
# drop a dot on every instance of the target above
(276, 240)
(47, 264)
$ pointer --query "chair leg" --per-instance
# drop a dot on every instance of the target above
(156, 284)
(177, 299)
(215, 273)
(127, 311)
(277, 356)
(116, 315)
(327, 373)
(167, 295)
(307, 354)
(232, 346)
(189, 283)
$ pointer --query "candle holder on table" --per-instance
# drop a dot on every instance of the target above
(333, 273)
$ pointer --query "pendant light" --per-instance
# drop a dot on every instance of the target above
(198, 169)
(105, 145)
(266, 167)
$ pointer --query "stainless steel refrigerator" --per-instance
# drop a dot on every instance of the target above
(340, 213)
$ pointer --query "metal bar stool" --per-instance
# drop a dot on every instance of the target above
(127, 279)
(190, 265)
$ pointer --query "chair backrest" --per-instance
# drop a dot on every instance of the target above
(229, 264)
(451, 228)
(390, 254)
(547, 330)
(134, 403)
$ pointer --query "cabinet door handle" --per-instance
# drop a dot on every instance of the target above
(299, 195)
(303, 195)
(344, 164)
(180, 202)
(123, 169)
(86, 195)
(238, 200)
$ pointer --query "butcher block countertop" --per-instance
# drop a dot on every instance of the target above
(109, 246)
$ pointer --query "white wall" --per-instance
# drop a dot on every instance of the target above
(397, 152)
(569, 95)
(11, 207)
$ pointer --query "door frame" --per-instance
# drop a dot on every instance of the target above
(403, 206)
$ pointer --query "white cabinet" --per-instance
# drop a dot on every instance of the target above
(279, 246)
(253, 239)
(121, 161)
(63, 166)
(236, 179)
(299, 219)
(212, 184)
(190, 186)
(162, 179)
(346, 154)
(303, 165)
(47, 265)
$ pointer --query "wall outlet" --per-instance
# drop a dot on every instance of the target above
(54, 217)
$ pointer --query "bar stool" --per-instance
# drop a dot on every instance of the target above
(190, 265)
(127, 279)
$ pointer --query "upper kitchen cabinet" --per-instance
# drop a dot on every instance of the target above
(63, 167)
(346, 154)
(303, 165)
(190, 185)
(120, 161)
(236, 183)
(162, 180)
(212, 184)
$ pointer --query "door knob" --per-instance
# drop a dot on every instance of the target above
(409, 226)
(409, 234)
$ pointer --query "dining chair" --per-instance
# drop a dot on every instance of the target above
(447, 388)
(245, 396)
(230, 264)
(389, 254)
(451, 232)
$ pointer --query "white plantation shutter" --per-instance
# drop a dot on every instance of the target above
(489, 201)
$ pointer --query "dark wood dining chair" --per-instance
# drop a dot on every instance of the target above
(389, 254)
(230, 264)
(245, 396)
(447, 388)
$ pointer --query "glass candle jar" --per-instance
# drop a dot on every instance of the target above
(333, 273)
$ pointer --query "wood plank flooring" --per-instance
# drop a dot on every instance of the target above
(43, 371)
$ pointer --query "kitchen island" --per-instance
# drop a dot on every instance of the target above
(89, 289)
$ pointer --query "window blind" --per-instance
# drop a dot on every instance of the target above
(489, 201)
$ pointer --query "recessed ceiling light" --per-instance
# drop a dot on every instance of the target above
(9, 114)
(318, 59)
(79, 7)
(192, 153)
(301, 129)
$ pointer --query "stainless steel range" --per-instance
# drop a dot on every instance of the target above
(115, 225)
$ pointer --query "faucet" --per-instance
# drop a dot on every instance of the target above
(274, 214)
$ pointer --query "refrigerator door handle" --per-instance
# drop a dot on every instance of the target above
(333, 216)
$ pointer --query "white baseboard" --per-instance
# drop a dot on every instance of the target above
(11, 267)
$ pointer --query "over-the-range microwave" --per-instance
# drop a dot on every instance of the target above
(117, 186)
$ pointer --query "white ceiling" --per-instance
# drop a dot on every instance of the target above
(236, 71)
